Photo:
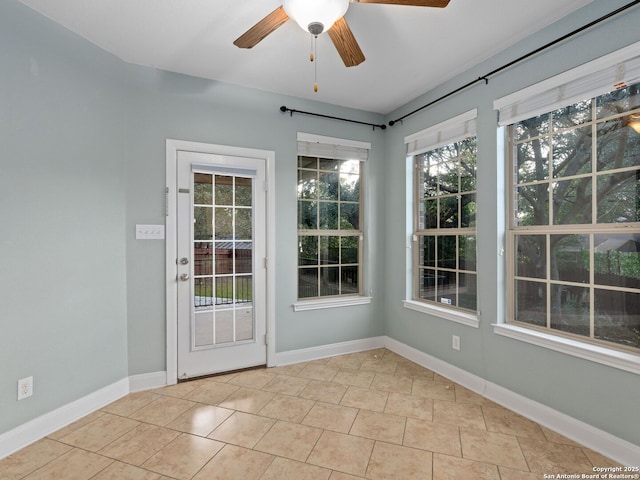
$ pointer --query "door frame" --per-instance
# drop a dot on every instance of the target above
(171, 243)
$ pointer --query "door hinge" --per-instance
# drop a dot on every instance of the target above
(266, 186)
(266, 339)
(266, 262)
(166, 202)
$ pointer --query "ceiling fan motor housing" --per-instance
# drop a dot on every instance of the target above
(316, 28)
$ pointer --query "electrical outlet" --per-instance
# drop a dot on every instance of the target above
(455, 342)
(25, 388)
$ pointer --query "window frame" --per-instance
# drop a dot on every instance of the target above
(445, 133)
(551, 228)
(623, 62)
(331, 148)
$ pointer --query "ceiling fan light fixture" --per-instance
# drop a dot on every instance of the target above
(309, 13)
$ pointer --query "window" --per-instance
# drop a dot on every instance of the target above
(444, 238)
(330, 217)
(574, 226)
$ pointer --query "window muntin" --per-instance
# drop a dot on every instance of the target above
(329, 227)
(445, 226)
(575, 223)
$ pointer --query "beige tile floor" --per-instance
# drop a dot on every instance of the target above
(371, 415)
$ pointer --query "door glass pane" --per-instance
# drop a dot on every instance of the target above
(244, 191)
(224, 290)
(244, 289)
(202, 188)
(224, 223)
(224, 326)
(203, 329)
(202, 223)
(223, 260)
(244, 323)
(203, 258)
(243, 227)
(224, 190)
(203, 292)
(244, 257)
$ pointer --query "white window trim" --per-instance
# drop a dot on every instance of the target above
(628, 362)
(464, 318)
(330, 302)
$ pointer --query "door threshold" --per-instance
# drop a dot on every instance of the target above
(219, 374)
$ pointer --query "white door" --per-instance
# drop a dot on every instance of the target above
(221, 246)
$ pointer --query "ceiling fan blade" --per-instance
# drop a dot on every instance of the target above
(346, 44)
(260, 30)
(414, 3)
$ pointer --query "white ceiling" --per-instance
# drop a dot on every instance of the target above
(409, 50)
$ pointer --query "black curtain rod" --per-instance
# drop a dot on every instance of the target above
(485, 78)
(284, 109)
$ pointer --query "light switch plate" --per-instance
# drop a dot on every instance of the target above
(149, 232)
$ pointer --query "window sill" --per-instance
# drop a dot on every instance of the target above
(595, 353)
(322, 303)
(444, 313)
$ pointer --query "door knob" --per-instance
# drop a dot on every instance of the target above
(184, 277)
(184, 261)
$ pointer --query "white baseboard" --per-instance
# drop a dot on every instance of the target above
(324, 351)
(147, 381)
(39, 427)
(622, 451)
(613, 447)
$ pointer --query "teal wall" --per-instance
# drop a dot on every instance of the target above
(83, 160)
(63, 291)
(166, 105)
(599, 395)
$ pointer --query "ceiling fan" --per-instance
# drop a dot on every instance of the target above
(318, 16)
